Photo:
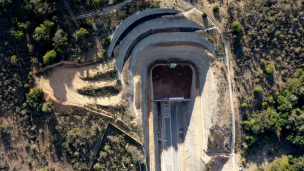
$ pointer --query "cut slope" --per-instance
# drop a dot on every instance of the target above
(62, 82)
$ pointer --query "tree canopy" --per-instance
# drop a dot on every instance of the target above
(49, 57)
(82, 32)
(42, 33)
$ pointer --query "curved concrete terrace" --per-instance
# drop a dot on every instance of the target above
(168, 24)
(163, 37)
(137, 18)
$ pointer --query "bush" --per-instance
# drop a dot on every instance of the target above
(49, 57)
(216, 8)
(82, 32)
(152, 5)
(263, 63)
(106, 42)
(89, 22)
(257, 89)
(264, 105)
(42, 34)
(244, 105)
(269, 68)
(236, 27)
(230, 7)
(204, 15)
(46, 107)
(13, 59)
(34, 96)
(26, 86)
(78, 60)
(60, 40)
(19, 35)
(293, 83)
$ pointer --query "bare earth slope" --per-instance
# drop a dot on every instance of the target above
(62, 82)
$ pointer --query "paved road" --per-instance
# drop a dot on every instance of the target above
(170, 136)
(175, 138)
(228, 75)
(106, 10)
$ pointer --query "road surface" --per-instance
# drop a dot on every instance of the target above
(170, 137)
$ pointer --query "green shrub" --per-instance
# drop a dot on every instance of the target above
(19, 35)
(106, 42)
(46, 107)
(264, 105)
(270, 98)
(26, 86)
(14, 58)
(211, 39)
(263, 63)
(60, 40)
(257, 89)
(293, 83)
(204, 15)
(49, 57)
(78, 60)
(216, 8)
(34, 96)
(244, 105)
(269, 68)
(236, 27)
(42, 33)
(230, 7)
(82, 32)
(152, 5)
(90, 23)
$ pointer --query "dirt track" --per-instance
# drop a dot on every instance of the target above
(61, 83)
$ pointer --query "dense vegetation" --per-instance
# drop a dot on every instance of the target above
(267, 41)
(286, 163)
(78, 135)
(35, 34)
(118, 152)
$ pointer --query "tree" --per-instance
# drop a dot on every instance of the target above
(257, 89)
(89, 22)
(82, 32)
(42, 34)
(26, 86)
(293, 83)
(204, 15)
(97, 166)
(236, 27)
(266, 120)
(269, 68)
(263, 63)
(49, 57)
(60, 40)
(106, 42)
(19, 35)
(46, 107)
(14, 59)
(216, 8)
(244, 105)
(34, 96)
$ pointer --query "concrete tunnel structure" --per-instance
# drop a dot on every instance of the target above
(156, 35)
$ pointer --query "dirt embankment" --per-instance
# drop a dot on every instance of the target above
(60, 84)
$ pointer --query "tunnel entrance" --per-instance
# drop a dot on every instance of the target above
(172, 83)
